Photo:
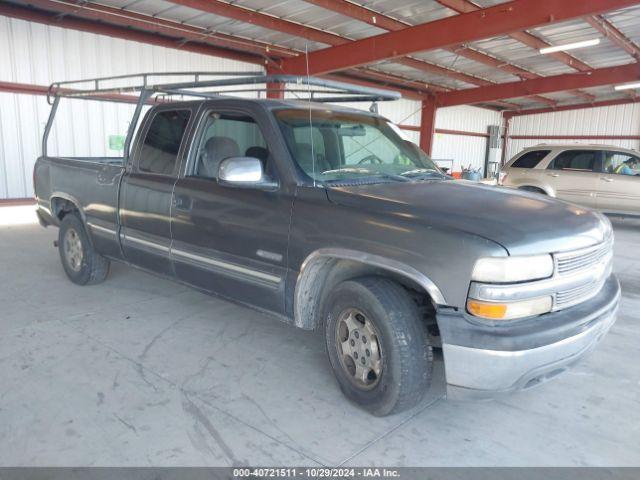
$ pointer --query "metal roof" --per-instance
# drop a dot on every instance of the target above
(504, 50)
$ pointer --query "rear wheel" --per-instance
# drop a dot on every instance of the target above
(377, 345)
(80, 261)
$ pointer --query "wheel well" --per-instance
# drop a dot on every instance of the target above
(61, 207)
(321, 276)
(529, 188)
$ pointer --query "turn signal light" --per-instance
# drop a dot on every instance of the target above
(509, 310)
(487, 310)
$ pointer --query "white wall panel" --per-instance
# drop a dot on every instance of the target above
(617, 120)
(465, 151)
(38, 54)
(466, 118)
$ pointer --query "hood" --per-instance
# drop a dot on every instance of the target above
(524, 223)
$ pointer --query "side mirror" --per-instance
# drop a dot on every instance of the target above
(247, 172)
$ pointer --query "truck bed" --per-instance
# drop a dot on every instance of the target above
(91, 183)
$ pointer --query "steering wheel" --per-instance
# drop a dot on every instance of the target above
(372, 159)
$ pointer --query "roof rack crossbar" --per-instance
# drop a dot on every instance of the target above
(351, 92)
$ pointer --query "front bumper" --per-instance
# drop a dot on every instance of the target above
(484, 360)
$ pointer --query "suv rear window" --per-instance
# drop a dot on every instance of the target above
(582, 160)
(530, 159)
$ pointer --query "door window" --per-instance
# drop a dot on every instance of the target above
(621, 163)
(575, 160)
(530, 159)
(161, 144)
(225, 136)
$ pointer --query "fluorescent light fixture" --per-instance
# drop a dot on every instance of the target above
(627, 86)
(570, 46)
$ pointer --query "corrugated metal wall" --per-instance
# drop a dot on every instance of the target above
(618, 120)
(32, 53)
(463, 150)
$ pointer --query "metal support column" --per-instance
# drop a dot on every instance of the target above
(427, 124)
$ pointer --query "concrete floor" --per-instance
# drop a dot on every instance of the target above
(141, 371)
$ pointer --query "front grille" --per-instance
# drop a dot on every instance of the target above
(577, 295)
(593, 264)
(572, 262)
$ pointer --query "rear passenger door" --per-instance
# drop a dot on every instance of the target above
(145, 200)
(231, 240)
(618, 193)
(573, 174)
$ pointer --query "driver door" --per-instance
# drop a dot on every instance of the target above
(231, 240)
(618, 193)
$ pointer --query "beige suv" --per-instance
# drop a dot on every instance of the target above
(582, 174)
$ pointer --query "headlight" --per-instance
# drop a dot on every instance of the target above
(510, 310)
(512, 269)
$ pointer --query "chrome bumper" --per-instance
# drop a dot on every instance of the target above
(480, 373)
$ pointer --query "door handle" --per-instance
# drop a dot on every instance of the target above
(181, 202)
(553, 174)
(606, 179)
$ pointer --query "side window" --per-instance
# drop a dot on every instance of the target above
(575, 160)
(621, 163)
(229, 135)
(161, 144)
(530, 159)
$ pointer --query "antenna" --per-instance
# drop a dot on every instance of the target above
(313, 154)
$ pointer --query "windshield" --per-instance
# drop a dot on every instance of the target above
(336, 146)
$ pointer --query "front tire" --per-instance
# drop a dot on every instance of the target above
(82, 264)
(377, 345)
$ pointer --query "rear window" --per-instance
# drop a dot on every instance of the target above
(581, 160)
(530, 159)
(162, 142)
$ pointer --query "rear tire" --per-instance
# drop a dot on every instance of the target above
(377, 345)
(82, 264)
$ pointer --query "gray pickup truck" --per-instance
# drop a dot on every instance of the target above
(323, 216)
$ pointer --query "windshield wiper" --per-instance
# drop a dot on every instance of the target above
(422, 172)
(345, 170)
(365, 174)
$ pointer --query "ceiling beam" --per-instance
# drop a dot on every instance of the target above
(607, 29)
(539, 86)
(577, 106)
(271, 22)
(389, 79)
(365, 78)
(48, 18)
(466, 6)
(380, 20)
(468, 27)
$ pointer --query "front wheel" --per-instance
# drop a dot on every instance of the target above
(377, 345)
(82, 264)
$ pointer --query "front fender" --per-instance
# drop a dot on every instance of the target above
(315, 267)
